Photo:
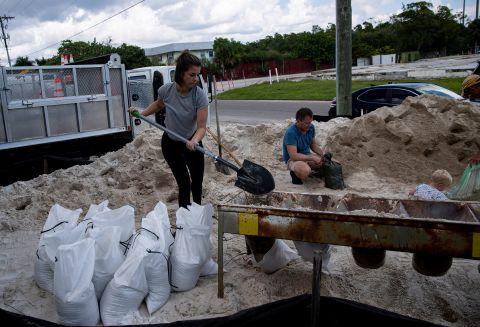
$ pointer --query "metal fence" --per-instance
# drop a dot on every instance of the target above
(42, 104)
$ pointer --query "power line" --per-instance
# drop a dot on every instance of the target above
(103, 21)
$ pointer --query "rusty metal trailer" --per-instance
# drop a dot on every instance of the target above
(437, 229)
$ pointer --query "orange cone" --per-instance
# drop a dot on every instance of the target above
(57, 87)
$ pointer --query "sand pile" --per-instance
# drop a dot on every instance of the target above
(409, 142)
(384, 154)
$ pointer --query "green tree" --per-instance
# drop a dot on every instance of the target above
(41, 62)
(23, 61)
(473, 33)
(132, 56)
(419, 28)
(227, 53)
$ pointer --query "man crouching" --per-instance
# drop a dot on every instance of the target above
(298, 144)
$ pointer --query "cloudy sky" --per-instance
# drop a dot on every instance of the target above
(40, 25)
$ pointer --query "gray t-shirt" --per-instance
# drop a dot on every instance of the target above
(181, 111)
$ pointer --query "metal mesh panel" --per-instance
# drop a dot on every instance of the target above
(90, 81)
(117, 97)
(23, 85)
(141, 92)
(116, 81)
(58, 83)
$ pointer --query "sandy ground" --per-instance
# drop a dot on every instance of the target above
(384, 154)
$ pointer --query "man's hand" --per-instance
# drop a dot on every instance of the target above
(475, 159)
(317, 159)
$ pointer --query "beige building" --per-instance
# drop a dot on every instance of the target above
(168, 53)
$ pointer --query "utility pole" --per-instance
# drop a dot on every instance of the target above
(463, 14)
(476, 11)
(5, 18)
(343, 56)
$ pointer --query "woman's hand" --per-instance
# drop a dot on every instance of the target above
(132, 110)
(191, 145)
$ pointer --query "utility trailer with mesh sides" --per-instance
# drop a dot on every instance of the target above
(433, 231)
(57, 116)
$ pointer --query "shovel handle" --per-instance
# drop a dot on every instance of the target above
(206, 152)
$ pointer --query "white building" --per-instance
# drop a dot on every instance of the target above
(384, 59)
(168, 53)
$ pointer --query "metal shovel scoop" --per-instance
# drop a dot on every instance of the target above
(251, 177)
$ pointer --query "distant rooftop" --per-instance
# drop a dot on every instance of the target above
(177, 47)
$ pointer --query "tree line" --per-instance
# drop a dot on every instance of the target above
(417, 28)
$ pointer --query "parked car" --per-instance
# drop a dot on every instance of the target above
(370, 98)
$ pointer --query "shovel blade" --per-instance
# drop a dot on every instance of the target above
(254, 179)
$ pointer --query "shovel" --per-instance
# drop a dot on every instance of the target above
(220, 168)
(251, 177)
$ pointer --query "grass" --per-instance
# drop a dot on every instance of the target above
(322, 90)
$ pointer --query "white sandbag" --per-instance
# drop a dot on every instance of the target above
(306, 249)
(277, 257)
(156, 226)
(56, 231)
(127, 289)
(83, 227)
(192, 247)
(209, 268)
(43, 270)
(95, 209)
(123, 217)
(158, 221)
(75, 299)
(108, 255)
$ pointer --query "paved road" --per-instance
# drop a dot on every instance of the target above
(260, 111)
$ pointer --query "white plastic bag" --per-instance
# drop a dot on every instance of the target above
(127, 289)
(57, 230)
(277, 257)
(123, 217)
(306, 249)
(156, 226)
(192, 248)
(209, 268)
(108, 255)
(95, 209)
(43, 270)
(75, 299)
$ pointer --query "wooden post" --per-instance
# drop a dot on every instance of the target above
(220, 256)
(316, 284)
(343, 57)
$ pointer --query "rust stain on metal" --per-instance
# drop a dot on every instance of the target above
(402, 225)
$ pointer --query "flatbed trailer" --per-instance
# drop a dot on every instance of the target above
(436, 229)
(57, 116)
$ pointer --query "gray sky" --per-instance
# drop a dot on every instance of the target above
(40, 25)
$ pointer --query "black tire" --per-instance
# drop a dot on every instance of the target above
(356, 112)
(332, 112)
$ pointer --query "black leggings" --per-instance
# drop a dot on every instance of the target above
(187, 168)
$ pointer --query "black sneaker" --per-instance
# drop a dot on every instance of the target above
(295, 179)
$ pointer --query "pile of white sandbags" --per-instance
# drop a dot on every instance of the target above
(101, 267)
